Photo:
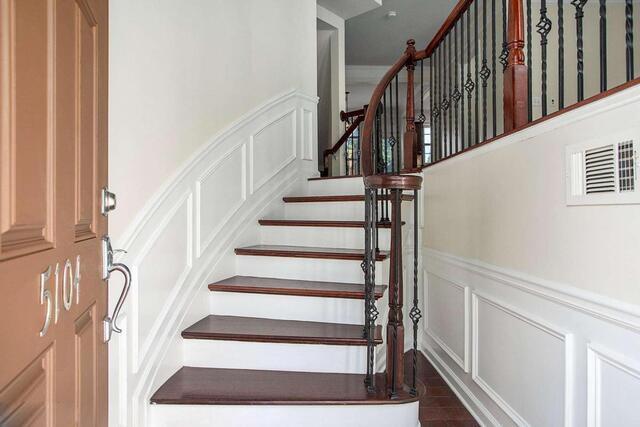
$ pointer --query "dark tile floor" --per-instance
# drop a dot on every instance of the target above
(439, 407)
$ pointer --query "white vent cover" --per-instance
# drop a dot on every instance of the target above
(603, 172)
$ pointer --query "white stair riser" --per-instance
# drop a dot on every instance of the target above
(344, 211)
(324, 237)
(390, 415)
(326, 270)
(275, 356)
(336, 186)
(287, 307)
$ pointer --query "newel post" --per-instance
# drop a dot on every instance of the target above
(515, 74)
(410, 149)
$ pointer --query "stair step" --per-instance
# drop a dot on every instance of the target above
(324, 178)
(307, 252)
(213, 386)
(336, 198)
(318, 223)
(308, 288)
(234, 328)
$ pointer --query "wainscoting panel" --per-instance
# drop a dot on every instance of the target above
(184, 238)
(447, 317)
(541, 353)
(609, 374)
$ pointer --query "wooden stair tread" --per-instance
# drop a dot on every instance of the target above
(336, 198)
(307, 252)
(322, 178)
(236, 328)
(318, 223)
(214, 386)
(266, 285)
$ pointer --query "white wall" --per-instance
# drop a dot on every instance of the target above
(532, 308)
(181, 71)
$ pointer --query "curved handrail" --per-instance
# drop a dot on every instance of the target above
(369, 117)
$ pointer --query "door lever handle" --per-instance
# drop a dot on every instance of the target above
(109, 322)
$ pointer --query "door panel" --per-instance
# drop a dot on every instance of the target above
(27, 145)
(53, 164)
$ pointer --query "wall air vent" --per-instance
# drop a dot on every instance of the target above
(603, 172)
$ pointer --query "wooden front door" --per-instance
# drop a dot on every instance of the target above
(53, 164)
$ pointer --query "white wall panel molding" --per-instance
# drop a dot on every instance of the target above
(184, 239)
(605, 308)
(530, 357)
(608, 374)
(541, 353)
(443, 299)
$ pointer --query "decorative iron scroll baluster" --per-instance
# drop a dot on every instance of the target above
(529, 62)
(469, 85)
(436, 104)
(494, 119)
(603, 45)
(485, 72)
(415, 313)
(477, 74)
(445, 100)
(368, 267)
(628, 10)
(560, 54)
(397, 140)
(462, 134)
(504, 54)
(579, 5)
(452, 107)
(543, 28)
(395, 326)
(456, 92)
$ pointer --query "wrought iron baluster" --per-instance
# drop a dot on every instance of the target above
(603, 45)
(477, 73)
(529, 62)
(504, 54)
(469, 85)
(462, 110)
(485, 72)
(451, 107)
(445, 99)
(579, 5)
(560, 54)
(456, 92)
(397, 154)
(628, 10)
(494, 105)
(415, 313)
(543, 28)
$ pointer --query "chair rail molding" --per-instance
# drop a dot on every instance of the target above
(185, 235)
(520, 324)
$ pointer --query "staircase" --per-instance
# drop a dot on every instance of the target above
(283, 344)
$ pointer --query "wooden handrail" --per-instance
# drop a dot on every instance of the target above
(345, 136)
(460, 8)
(346, 115)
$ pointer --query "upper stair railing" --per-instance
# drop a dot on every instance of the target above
(482, 84)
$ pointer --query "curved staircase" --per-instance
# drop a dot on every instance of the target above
(283, 344)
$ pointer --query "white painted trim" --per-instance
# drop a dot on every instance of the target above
(602, 307)
(464, 361)
(537, 323)
(596, 355)
(468, 399)
(172, 182)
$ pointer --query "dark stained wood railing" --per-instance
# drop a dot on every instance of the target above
(349, 143)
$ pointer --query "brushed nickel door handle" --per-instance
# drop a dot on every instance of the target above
(110, 322)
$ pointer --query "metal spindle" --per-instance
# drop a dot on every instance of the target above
(445, 99)
(579, 5)
(397, 155)
(504, 54)
(628, 10)
(452, 107)
(543, 28)
(462, 134)
(560, 54)
(603, 45)
(529, 62)
(456, 92)
(477, 74)
(494, 106)
(415, 314)
(469, 85)
(485, 73)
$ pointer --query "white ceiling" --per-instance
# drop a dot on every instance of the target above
(349, 8)
(375, 39)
